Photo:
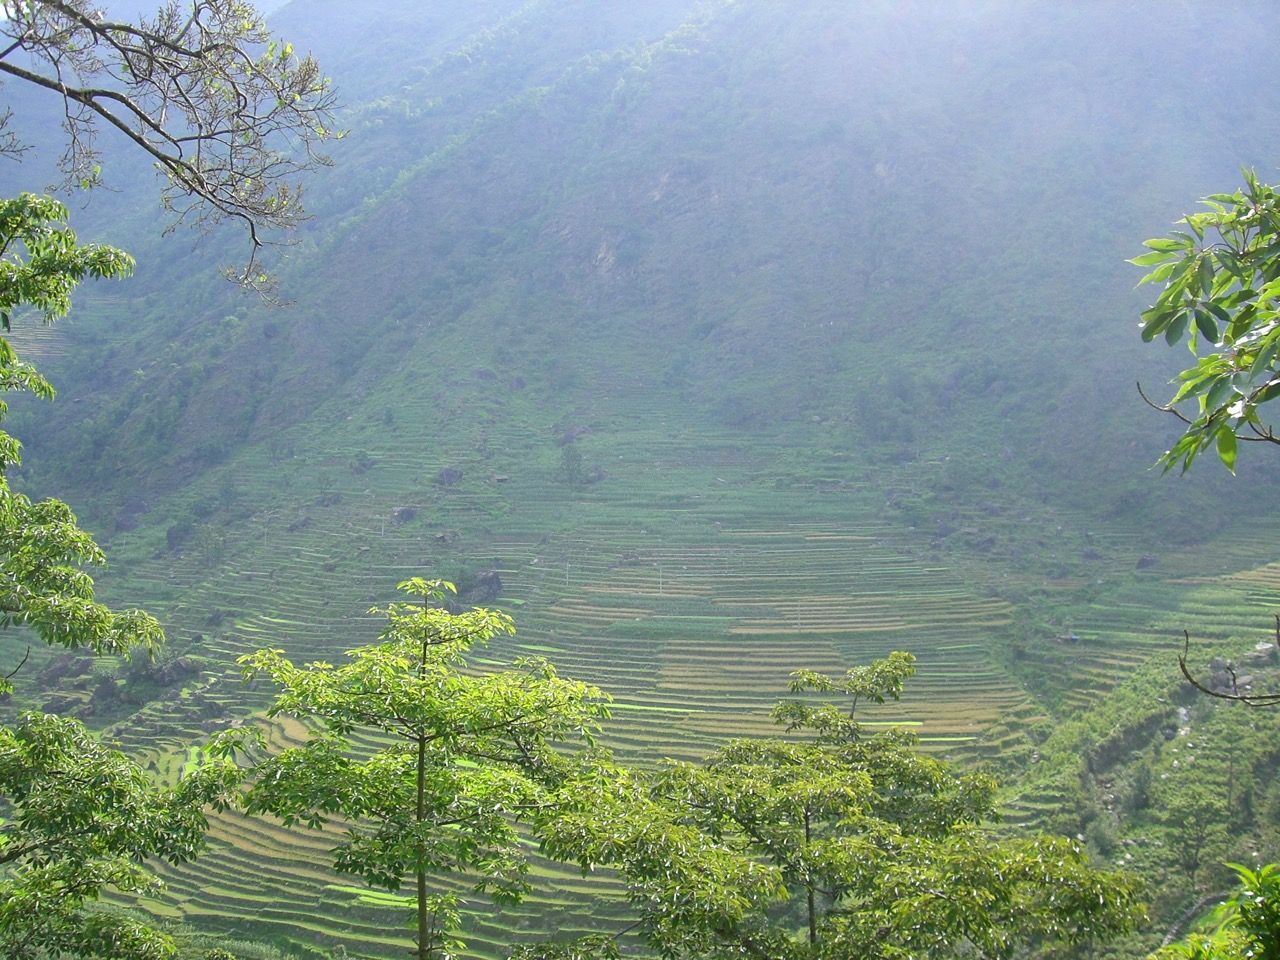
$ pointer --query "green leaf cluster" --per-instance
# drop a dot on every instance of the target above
(1221, 281)
(42, 550)
(41, 262)
(1245, 927)
(76, 815)
(79, 817)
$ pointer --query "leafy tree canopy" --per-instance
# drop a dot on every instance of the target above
(220, 110)
(75, 816)
(79, 817)
(838, 845)
(462, 756)
(43, 585)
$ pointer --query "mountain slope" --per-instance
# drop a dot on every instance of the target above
(735, 337)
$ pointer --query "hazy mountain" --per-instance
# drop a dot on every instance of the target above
(595, 288)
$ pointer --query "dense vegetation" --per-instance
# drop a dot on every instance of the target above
(716, 341)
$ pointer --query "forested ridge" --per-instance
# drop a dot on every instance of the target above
(711, 342)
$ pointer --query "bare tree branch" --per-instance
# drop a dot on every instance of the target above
(21, 663)
(1263, 700)
(230, 117)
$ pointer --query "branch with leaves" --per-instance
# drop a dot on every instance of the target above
(43, 552)
(1221, 295)
(229, 116)
(467, 754)
(826, 847)
(79, 817)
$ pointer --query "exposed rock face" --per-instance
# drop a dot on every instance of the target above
(61, 705)
(67, 665)
(485, 588)
(176, 671)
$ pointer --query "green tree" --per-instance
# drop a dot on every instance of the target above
(42, 551)
(1195, 818)
(466, 754)
(75, 816)
(1245, 927)
(1221, 295)
(572, 470)
(835, 845)
(79, 817)
(187, 88)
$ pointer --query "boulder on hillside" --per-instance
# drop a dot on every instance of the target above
(448, 477)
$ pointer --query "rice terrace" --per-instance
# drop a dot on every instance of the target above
(734, 351)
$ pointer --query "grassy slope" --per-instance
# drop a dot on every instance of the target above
(833, 301)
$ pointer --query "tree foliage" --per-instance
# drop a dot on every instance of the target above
(1245, 927)
(75, 816)
(463, 755)
(78, 817)
(837, 845)
(200, 90)
(43, 585)
(1221, 296)
(229, 116)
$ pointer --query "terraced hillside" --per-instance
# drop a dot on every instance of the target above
(690, 608)
(730, 338)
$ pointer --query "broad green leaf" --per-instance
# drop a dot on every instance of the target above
(1159, 275)
(1205, 274)
(1267, 393)
(1177, 328)
(1168, 244)
(1265, 358)
(1218, 393)
(1147, 259)
(1227, 448)
(1204, 323)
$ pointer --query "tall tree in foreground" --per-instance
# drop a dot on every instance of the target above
(228, 118)
(837, 845)
(75, 816)
(466, 756)
(42, 550)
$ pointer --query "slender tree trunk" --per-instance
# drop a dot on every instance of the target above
(424, 946)
(419, 850)
(813, 913)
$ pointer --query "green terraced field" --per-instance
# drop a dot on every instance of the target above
(690, 612)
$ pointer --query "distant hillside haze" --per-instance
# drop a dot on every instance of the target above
(881, 215)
